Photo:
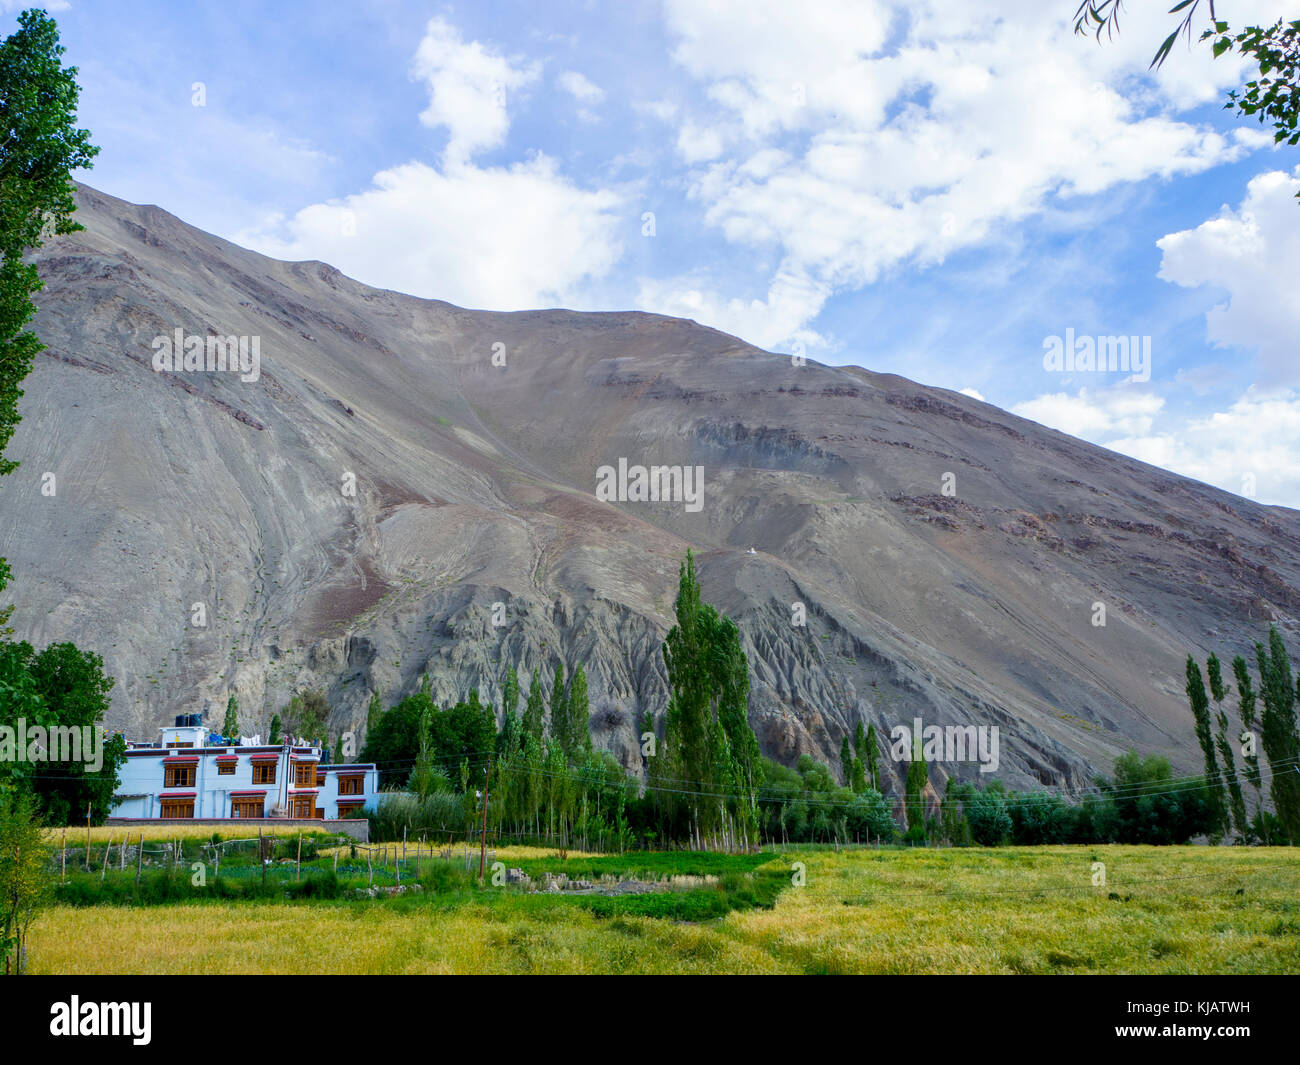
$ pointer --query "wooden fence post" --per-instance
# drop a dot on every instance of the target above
(139, 863)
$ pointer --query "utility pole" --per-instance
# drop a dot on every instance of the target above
(482, 852)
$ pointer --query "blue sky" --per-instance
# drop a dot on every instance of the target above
(930, 188)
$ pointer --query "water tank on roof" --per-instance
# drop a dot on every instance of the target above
(181, 720)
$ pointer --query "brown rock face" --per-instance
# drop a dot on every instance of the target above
(409, 487)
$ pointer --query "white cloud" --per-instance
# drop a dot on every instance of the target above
(1253, 254)
(663, 110)
(1095, 415)
(698, 144)
(1247, 449)
(497, 238)
(973, 393)
(468, 88)
(502, 238)
(774, 322)
(580, 87)
(851, 137)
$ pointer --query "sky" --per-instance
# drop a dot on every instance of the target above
(948, 190)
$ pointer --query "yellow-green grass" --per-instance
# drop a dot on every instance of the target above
(1012, 910)
(498, 853)
(101, 834)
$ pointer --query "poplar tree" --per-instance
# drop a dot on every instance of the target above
(1200, 703)
(230, 727)
(873, 756)
(560, 732)
(918, 775)
(510, 725)
(1224, 746)
(374, 711)
(1278, 727)
(1246, 711)
(533, 710)
(579, 716)
(707, 731)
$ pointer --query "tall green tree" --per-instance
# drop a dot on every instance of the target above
(40, 146)
(74, 693)
(24, 880)
(560, 730)
(1223, 745)
(689, 726)
(579, 716)
(307, 715)
(707, 732)
(1246, 711)
(872, 756)
(918, 775)
(533, 710)
(230, 727)
(510, 724)
(374, 711)
(1200, 703)
(1278, 728)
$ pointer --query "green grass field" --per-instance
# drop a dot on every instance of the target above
(1009, 910)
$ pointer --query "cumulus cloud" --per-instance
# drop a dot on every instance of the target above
(1095, 415)
(498, 238)
(580, 87)
(874, 133)
(468, 88)
(502, 238)
(1248, 449)
(1251, 253)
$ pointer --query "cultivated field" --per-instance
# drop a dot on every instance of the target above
(1010, 910)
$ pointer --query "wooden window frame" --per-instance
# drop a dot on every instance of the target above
(177, 808)
(180, 776)
(264, 772)
(352, 784)
(251, 802)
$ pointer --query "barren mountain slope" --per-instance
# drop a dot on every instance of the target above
(475, 485)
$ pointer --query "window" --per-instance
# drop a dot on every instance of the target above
(179, 743)
(303, 806)
(352, 784)
(263, 772)
(225, 769)
(178, 776)
(177, 808)
(304, 776)
(320, 777)
(247, 806)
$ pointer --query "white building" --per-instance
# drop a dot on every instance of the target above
(186, 776)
